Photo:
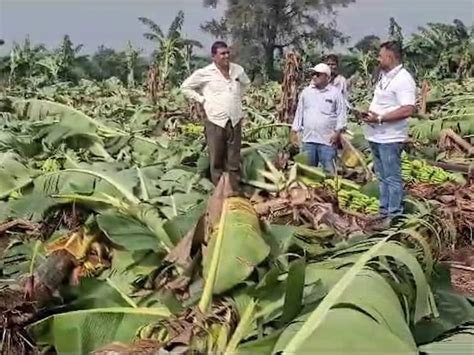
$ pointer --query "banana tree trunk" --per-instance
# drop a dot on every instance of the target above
(461, 168)
(53, 272)
(449, 134)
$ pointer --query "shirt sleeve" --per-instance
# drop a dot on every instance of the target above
(406, 92)
(191, 86)
(341, 112)
(298, 120)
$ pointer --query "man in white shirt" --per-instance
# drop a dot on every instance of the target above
(220, 87)
(337, 79)
(320, 117)
(387, 127)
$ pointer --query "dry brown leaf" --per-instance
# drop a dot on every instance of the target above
(298, 196)
(181, 253)
(142, 347)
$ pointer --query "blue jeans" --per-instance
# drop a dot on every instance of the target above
(321, 153)
(387, 163)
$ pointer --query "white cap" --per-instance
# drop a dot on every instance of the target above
(322, 68)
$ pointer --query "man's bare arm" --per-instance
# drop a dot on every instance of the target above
(191, 86)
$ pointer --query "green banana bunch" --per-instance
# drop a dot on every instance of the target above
(420, 171)
(192, 129)
(337, 184)
(50, 165)
(356, 201)
(353, 199)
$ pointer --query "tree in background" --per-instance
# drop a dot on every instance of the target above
(22, 60)
(436, 51)
(361, 62)
(260, 31)
(132, 57)
(440, 50)
(368, 44)
(63, 63)
(107, 62)
(173, 51)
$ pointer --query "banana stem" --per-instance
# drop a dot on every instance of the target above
(206, 297)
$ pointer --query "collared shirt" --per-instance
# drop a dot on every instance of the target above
(341, 83)
(394, 89)
(320, 113)
(222, 98)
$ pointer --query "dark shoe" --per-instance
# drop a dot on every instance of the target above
(376, 217)
(381, 225)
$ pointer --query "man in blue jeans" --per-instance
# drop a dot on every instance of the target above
(320, 118)
(387, 128)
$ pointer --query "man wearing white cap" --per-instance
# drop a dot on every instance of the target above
(320, 119)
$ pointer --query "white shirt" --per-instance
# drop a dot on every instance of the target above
(222, 98)
(394, 89)
(341, 83)
(320, 113)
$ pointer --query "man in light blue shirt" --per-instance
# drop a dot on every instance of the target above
(320, 119)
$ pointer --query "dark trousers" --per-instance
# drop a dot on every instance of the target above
(224, 151)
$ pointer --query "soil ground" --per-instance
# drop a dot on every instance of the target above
(463, 278)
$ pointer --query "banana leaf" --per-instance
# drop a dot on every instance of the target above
(368, 314)
(178, 226)
(91, 179)
(242, 247)
(347, 331)
(261, 346)
(454, 309)
(33, 207)
(81, 332)
(127, 232)
(458, 342)
(70, 119)
(40, 110)
(323, 317)
(14, 175)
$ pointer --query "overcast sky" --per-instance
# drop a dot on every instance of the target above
(113, 22)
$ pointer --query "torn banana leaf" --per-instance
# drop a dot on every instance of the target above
(242, 246)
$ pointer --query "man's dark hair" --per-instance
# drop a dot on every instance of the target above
(394, 47)
(216, 45)
(333, 57)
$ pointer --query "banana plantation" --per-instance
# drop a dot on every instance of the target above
(113, 240)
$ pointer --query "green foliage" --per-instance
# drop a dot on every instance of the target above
(238, 242)
(172, 56)
(87, 330)
(136, 169)
(353, 305)
(442, 50)
(127, 232)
